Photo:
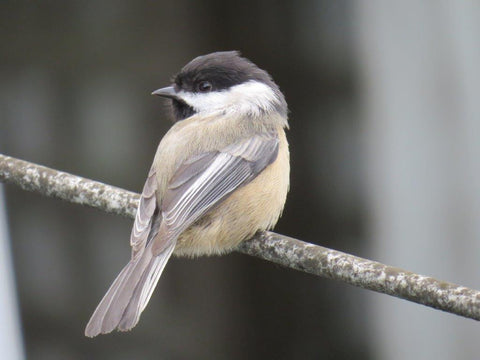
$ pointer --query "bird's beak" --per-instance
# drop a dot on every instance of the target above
(168, 92)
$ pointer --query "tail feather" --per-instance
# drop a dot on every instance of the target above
(142, 293)
(129, 294)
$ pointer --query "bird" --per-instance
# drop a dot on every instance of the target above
(220, 174)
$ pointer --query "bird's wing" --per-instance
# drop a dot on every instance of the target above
(147, 213)
(206, 179)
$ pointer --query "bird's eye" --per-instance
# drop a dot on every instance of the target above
(204, 86)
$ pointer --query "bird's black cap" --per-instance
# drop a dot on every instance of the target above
(223, 70)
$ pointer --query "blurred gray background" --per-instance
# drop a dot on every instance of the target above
(385, 148)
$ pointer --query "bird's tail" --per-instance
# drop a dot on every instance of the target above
(126, 298)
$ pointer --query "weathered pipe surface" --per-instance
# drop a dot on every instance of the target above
(270, 246)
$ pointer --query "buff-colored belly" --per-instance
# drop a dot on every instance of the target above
(253, 207)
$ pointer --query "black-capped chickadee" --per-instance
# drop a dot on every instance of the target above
(220, 174)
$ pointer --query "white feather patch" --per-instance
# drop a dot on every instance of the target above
(252, 98)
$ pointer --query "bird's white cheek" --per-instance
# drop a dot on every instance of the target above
(251, 97)
(207, 101)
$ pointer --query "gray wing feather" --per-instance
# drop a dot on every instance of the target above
(207, 179)
(145, 214)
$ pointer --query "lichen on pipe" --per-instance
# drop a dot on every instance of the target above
(68, 187)
(269, 246)
(363, 273)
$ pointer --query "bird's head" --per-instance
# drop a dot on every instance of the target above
(223, 82)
